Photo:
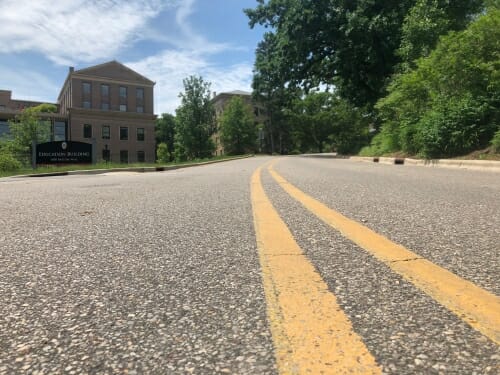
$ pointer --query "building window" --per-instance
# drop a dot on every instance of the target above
(106, 133)
(60, 131)
(86, 88)
(87, 131)
(86, 95)
(141, 156)
(123, 92)
(123, 156)
(123, 107)
(140, 134)
(139, 96)
(123, 133)
(4, 128)
(105, 97)
(105, 91)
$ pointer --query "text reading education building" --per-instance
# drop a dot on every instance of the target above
(109, 105)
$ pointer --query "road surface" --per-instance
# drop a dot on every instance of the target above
(256, 266)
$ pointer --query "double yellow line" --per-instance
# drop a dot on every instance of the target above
(310, 331)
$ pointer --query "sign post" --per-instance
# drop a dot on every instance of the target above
(33, 154)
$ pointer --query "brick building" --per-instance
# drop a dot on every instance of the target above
(107, 104)
(220, 102)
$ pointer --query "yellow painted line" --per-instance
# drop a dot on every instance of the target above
(311, 333)
(474, 305)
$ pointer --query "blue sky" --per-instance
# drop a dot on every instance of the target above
(165, 40)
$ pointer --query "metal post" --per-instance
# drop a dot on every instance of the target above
(94, 151)
(33, 154)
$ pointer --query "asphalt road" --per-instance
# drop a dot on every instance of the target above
(160, 273)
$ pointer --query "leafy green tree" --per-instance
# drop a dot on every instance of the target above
(238, 132)
(449, 104)
(312, 118)
(270, 89)
(162, 153)
(349, 44)
(28, 127)
(429, 19)
(195, 121)
(165, 133)
(324, 122)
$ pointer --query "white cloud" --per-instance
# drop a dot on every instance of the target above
(22, 83)
(66, 31)
(192, 57)
(169, 68)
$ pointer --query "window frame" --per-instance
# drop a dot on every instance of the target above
(138, 134)
(122, 138)
(85, 128)
(109, 132)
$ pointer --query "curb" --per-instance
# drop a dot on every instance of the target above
(481, 165)
(159, 168)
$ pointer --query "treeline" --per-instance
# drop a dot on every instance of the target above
(190, 133)
(419, 77)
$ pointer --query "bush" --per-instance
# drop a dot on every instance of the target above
(495, 142)
(449, 104)
(8, 163)
(162, 154)
(455, 127)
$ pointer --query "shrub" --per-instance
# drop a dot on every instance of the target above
(162, 154)
(8, 162)
(495, 142)
(455, 127)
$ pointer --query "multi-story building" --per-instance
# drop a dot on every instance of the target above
(113, 105)
(10, 108)
(108, 105)
(220, 102)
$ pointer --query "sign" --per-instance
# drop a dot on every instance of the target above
(64, 152)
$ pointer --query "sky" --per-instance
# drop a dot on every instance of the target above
(164, 40)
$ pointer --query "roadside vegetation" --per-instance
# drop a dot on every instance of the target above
(105, 166)
(410, 77)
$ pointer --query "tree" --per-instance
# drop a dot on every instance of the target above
(322, 121)
(162, 153)
(29, 127)
(349, 44)
(195, 121)
(449, 104)
(427, 20)
(165, 133)
(238, 132)
(270, 89)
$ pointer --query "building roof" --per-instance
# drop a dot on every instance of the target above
(115, 70)
(238, 92)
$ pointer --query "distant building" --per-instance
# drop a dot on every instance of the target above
(108, 104)
(10, 108)
(220, 102)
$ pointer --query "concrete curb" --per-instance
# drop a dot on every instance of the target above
(482, 165)
(159, 168)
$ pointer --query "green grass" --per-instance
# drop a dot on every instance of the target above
(107, 166)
